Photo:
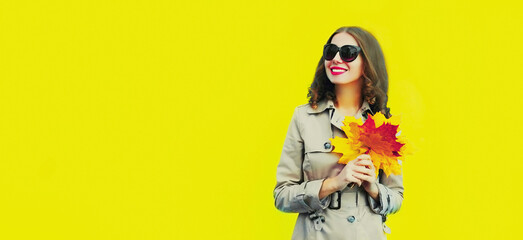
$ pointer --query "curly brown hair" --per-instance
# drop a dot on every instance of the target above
(376, 81)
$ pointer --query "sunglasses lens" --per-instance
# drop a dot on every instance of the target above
(348, 53)
(329, 52)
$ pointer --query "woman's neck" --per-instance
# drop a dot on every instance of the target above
(348, 97)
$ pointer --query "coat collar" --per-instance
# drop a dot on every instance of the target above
(329, 104)
(336, 118)
(322, 105)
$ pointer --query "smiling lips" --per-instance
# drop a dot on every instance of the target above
(337, 70)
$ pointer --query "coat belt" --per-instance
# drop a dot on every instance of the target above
(348, 198)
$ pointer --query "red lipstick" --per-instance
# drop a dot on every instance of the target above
(338, 72)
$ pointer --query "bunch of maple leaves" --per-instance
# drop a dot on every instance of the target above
(377, 137)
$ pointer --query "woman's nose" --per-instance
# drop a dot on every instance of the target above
(337, 58)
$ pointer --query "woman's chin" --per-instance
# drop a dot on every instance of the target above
(342, 81)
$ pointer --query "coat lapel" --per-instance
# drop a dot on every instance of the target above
(336, 118)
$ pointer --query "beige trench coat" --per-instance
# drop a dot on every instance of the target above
(306, 161)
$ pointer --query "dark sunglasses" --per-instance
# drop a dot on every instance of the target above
(347, 52)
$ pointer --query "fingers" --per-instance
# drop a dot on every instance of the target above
(366, 163)
(359, 170)
(363, 177)
(347, 174)
(363, 159)
(360, 157)
(356, 180)
(364, 170)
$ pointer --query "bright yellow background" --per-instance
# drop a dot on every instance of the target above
(165, 120)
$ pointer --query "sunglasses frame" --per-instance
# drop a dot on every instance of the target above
(358, 51)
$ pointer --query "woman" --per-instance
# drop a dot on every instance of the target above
(336, 201)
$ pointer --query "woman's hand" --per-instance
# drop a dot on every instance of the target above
(352, 172)
(360, 171)
(367, 175)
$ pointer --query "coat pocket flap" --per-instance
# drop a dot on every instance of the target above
(318, 145)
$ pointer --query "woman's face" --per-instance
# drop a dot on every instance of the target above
(339, 71)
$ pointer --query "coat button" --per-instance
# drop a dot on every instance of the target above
(351, 219)
(327, 145)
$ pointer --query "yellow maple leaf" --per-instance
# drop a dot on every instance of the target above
(378, 137)
(343, 146)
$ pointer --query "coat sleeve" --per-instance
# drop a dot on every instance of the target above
(292, 193)
(390, 194)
